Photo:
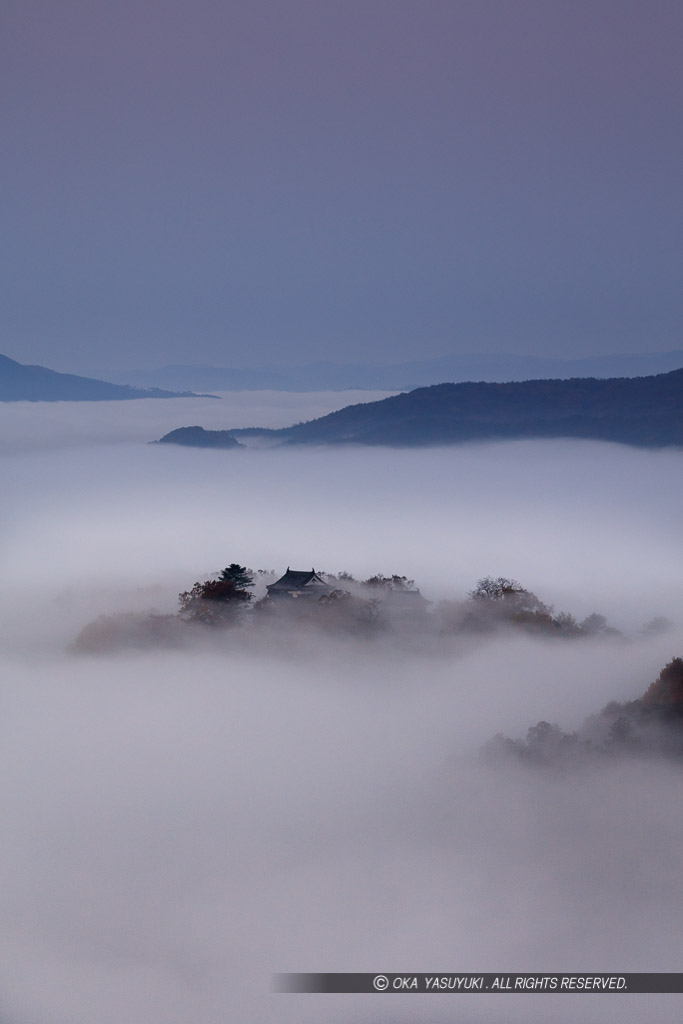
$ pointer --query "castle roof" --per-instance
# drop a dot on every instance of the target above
(295, 580)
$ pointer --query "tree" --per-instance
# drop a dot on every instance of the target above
(546, 742)
(217, 602)
(394, 582)
(340, 611)
(239, 575)
(567, 624)
(667, 690)
(621, 731)
(593, 624)
(509, 591)
(657, 626)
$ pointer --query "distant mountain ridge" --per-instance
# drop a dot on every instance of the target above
(645, 411)
(320, 376)
(22, 383)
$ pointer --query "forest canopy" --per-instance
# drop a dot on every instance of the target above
(242, 602)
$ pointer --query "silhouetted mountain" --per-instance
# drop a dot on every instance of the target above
(323, 376)
(197, 437)
(20, 383)
(639, 411)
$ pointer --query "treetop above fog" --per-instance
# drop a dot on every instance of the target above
(649, 726)
(248, 602)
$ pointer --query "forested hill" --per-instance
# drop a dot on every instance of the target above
(646, 411)
(21, 383)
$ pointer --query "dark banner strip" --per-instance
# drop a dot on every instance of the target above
(492, 983)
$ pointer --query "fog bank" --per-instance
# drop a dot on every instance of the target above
(177, 828)
(27, 426)
(181, 824)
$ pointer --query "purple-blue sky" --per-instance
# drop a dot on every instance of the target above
(240, 183)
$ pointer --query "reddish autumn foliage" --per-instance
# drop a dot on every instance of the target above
(667, 689)
(213, 602)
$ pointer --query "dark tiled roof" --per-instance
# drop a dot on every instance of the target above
(295, 580)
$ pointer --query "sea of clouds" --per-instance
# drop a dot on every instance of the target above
(179, 825)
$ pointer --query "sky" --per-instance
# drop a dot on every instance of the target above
(246, 183)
